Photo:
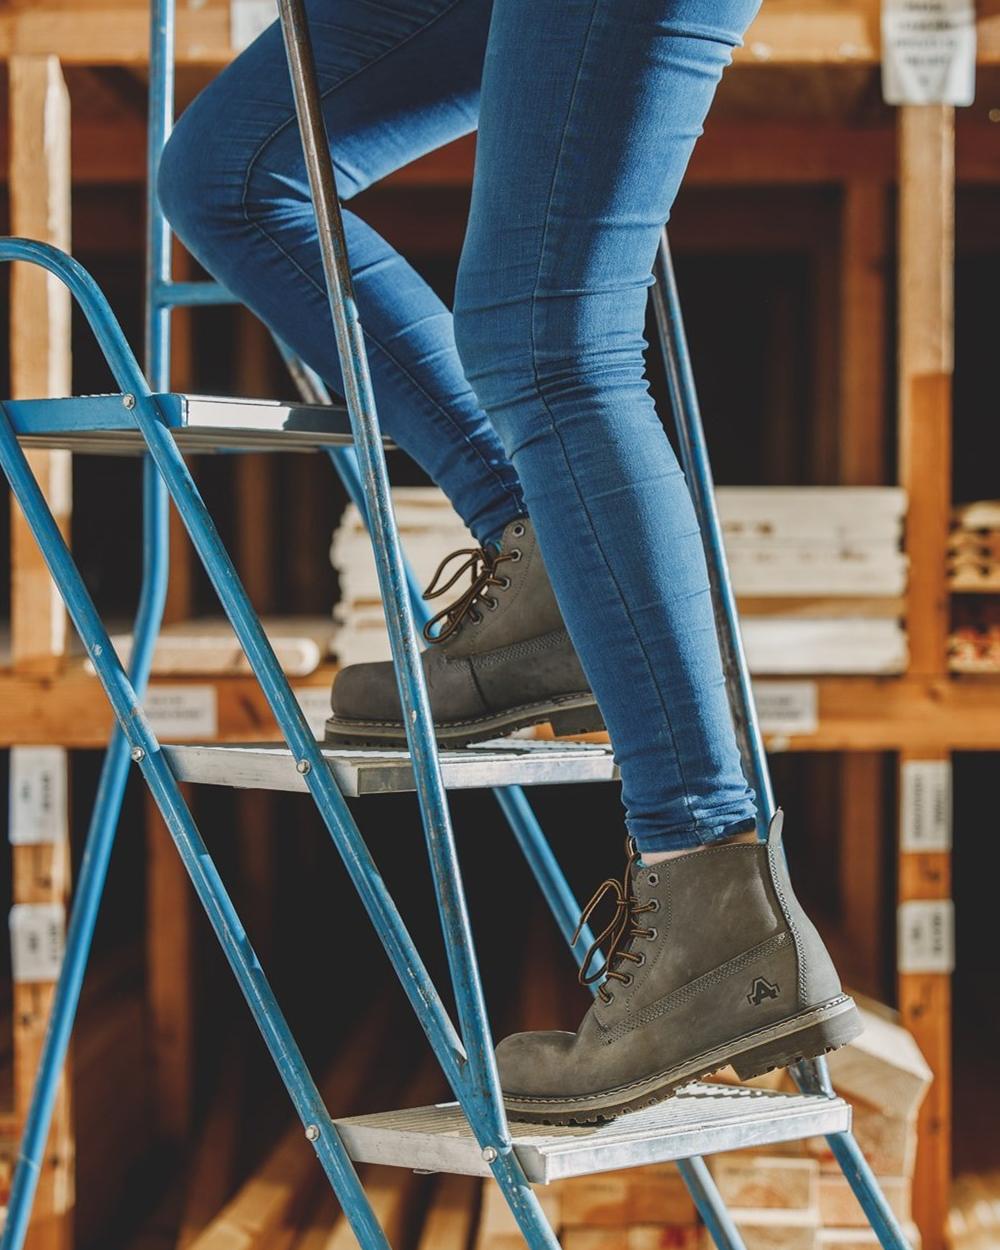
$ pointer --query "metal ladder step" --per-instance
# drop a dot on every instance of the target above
(357, 771)
(700, 1119)
(103, 424)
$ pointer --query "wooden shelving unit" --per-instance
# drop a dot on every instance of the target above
(911, 161)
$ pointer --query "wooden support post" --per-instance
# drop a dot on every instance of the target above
(862, 462)
(924, 956)
(170, 964)
(926, 361)
(40, 367)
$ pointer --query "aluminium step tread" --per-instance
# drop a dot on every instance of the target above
(700, 1119)
(199, 423)
(359, 771)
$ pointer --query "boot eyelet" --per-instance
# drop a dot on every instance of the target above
(475, 618)
(516, 554)
(653, 904)
(628, 979)
(653, 878)
(609, 1000)
(505, 583)
(640, 960)
(491, 603)
(518, 530)
(652, 934)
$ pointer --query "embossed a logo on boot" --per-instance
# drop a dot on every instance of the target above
(760, 990)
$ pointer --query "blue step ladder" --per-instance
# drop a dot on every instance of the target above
(472, 1135)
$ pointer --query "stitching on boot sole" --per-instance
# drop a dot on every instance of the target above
(749, 1039)
(553, 706)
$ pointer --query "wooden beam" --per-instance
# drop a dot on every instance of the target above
(101, 33)
(41, 366)
(926, 362)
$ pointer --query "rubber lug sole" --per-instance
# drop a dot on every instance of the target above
(806, 1036)
(575, 714)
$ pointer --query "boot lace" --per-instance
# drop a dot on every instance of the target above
(481, 565)
(623, 927)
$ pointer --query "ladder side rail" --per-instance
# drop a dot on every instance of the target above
(291, 720)
(145, 751)
(483, 1085)
(812, 1076)
(697, 470)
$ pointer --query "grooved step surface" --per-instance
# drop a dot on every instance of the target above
(102, 424)
(700, 1119)
(357, 770)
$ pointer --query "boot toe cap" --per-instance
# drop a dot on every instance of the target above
(366, 692)
(534, 1064)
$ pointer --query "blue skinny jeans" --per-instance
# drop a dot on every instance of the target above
(531, 395)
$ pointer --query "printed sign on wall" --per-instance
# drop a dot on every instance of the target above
(928, 51)
(37, 795)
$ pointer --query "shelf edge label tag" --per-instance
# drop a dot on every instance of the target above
(38, 795)
(180, 712)
(37, 941)
(925, 936)
(787, 707)
(929, 51)
(925, 805)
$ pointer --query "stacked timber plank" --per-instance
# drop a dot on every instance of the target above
(818, 571)
(208, 647)
(974, 548)
(974, 1218)
(795, 1195)
(974, 574)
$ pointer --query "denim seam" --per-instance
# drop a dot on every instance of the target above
(252, 221)
(555, 426)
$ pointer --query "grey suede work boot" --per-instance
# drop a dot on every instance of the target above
(500, 660)
(711, 961)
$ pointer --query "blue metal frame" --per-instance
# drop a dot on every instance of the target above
(466, 1056)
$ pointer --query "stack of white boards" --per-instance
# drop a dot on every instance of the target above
(974, 548)
(208, 647)
(818, 571)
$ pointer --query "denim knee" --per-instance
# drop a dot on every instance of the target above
(194, 199)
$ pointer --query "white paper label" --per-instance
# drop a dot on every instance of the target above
(248, 19)
(925, 806)
(315, 704)
(928, 51)
(37, 795)
(180, 712)
(926, 936)
(37, 940)
(787, 707)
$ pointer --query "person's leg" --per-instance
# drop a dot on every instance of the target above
(588, 116)
(397, 81)
(589, 112)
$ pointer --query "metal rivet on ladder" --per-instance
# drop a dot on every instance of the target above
(128, 401)
(489, 1154)
(138, 754)
(312, 1132)
(303, 767)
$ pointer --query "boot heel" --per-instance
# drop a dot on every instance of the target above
(577, 720)
(809, 1042)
